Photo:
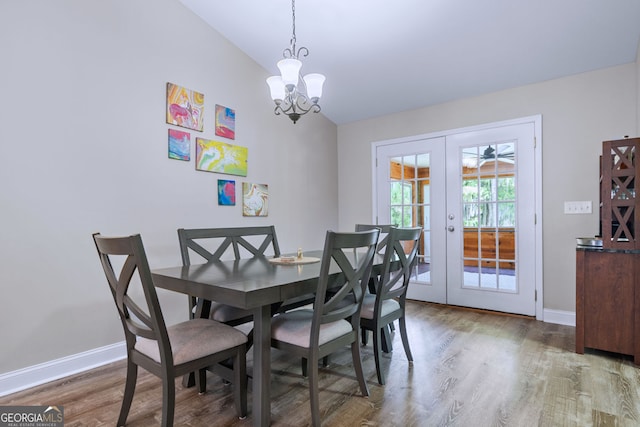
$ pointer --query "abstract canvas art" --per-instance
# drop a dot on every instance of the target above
(225, 122)
(226, 192)
(255, 199)
(185, 107)
(179, 145)
(220, 157)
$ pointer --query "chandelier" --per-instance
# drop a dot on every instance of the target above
(295, 96)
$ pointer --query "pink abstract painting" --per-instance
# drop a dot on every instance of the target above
(225, 122)
(226, 192)
(185, 107)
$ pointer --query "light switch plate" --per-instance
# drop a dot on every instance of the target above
(579, 207)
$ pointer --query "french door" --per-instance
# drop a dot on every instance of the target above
(412, 192)
(473, 192)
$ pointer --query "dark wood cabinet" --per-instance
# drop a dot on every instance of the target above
(608, 301)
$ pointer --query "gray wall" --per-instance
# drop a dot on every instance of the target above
(84, 144)
(578, 113)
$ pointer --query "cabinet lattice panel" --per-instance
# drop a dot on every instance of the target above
(620, 214)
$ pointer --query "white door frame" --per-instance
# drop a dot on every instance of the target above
(537, 123)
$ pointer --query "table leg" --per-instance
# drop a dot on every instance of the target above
(262, 366)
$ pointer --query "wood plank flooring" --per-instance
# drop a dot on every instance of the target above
(470, 368)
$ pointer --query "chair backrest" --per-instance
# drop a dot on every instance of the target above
(212, 243)
(139, 319)
(353, 254)
(384, 233)
(399, 258)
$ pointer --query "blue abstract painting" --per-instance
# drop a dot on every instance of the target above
(179, 145)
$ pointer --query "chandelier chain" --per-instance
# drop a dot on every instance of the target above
(293, 14)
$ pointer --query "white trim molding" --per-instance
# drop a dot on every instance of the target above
(32, 376)
(560, 317)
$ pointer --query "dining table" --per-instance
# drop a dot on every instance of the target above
(257, 284)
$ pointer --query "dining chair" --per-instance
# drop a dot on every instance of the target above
(384, 233)
(373, 282)
(382, 244)
(213, 244)
(334, 320)
(388, 303)
(167, 352)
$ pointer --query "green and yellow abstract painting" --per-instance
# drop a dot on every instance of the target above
(220, 157)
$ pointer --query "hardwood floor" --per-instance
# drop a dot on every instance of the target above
(471, 369)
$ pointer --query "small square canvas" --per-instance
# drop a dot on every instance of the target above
(255, 199)
(226, 192)
(179, 145)
(225, 122)
(185, 107)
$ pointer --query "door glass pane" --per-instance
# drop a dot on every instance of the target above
(506, 157)
(471, 274)
(507, 255)
(410, 169)
(470, 190)
(506, 188)
(488, 278)
(487, 214)
(426, 192)
(396, 193)
(470, 160)
(487, 189)
(470, 215)
(488, 246)
(506, 215)
(426, 218)
(407, 194)
(396, 214)
(471, 246)
(407, 217)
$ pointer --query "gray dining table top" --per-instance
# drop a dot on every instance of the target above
(245, 283)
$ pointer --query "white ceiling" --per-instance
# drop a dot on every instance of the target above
(382, 57)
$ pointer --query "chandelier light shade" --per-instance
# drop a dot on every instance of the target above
(290, 70)
(276, 85)
(295, 96)
(314, 82)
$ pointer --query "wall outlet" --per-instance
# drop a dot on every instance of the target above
(583, 207)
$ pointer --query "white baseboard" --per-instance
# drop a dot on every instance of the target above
(560, 317)
(32, 376)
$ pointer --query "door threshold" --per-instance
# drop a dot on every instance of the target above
(479, 310)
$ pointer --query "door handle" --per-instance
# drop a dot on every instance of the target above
(450, 228)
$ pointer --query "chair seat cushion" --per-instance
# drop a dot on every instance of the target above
(194, 339)
(368, 303)
(294, 327)
(226, 313)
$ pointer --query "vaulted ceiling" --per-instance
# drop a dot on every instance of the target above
(382, 57)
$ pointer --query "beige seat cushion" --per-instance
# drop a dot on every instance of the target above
(388, 306)
(294, 327)
(194, 339)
